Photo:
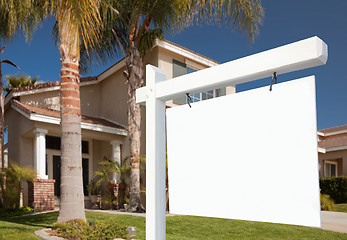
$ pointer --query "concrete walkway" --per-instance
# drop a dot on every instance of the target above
(334, 221)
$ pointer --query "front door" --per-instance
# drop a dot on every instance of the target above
(57, 175)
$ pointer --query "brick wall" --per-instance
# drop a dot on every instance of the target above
(41, 194)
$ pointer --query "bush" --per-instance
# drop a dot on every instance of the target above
(78, 229)
(335, 187)
(326, 203)
(4, 213)
(10, 184)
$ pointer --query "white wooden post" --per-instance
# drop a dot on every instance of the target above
(155, 157)
(299, 55)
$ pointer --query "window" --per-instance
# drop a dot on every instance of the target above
(55, 142)
(85, 147)
(180, 69)
(330, 169)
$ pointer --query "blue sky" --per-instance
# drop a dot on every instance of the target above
(285, 22)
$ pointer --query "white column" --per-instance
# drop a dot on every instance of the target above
(155, 158)
(40, 152)
(116, 157)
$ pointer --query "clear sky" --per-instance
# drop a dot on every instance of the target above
(285, 22)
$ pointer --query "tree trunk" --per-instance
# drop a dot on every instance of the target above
(72, 197)
(2, 120)
(135, 80)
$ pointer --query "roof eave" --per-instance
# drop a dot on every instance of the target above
(84, 125)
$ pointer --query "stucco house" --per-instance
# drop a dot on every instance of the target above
(32, 116)
(332, 151)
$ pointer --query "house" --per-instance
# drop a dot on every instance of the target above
(332, 151)
(32, 117)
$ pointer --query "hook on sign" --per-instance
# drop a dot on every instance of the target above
(274, 80)
(189, 99)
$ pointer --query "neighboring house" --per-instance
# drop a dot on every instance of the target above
(32, 116)
(332, 151)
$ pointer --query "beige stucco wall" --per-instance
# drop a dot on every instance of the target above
(165, 59)
(335, 155)
(20, 147)
(44, 99)
(113, 98)
(90, 100)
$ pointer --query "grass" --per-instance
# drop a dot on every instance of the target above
(342, 207)
(178, 228)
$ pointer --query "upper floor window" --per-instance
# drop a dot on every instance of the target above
(180, 69)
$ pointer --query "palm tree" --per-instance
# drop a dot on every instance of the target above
(14, 15)
(77, 23)
(20, 80)
(136, 24)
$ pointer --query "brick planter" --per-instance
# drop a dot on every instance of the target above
(41, 194)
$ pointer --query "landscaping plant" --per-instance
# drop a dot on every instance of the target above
(326, 203)
(335, 187)
(10, 184)
(78, 229)
(105, 175)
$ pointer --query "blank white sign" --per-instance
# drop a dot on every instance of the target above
(250, 156)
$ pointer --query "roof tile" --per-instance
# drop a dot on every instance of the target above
(334, 129)
(28, 109)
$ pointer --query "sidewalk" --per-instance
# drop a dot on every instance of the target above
(334, 221)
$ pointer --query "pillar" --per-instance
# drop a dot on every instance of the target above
(116, 156)
(40, 152)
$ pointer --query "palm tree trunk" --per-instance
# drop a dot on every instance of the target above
(72, 197)
(2, 120)
(135, 80)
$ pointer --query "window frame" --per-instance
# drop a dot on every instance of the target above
(327, 171)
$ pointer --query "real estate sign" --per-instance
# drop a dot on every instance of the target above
(250, 155)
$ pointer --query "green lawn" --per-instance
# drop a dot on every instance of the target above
(342, 207)
(178, 227)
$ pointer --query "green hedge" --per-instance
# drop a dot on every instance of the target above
(336, 187)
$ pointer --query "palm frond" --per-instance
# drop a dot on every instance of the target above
(78, 22)
(19, 15)
(19, 80)
(9, 62)
(147, 41)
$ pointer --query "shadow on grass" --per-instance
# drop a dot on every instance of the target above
(38, 221)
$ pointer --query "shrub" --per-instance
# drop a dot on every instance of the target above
(108, 229)
(335, 187)
(10, 184)
(4, 213)
(326, 203)
(78, 229)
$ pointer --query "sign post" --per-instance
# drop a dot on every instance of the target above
(303, 54)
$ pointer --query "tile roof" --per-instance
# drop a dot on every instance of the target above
(334, 129)
(28, 109)
(48, 84)
(36, 86)
(175, 44)
(86, 79)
